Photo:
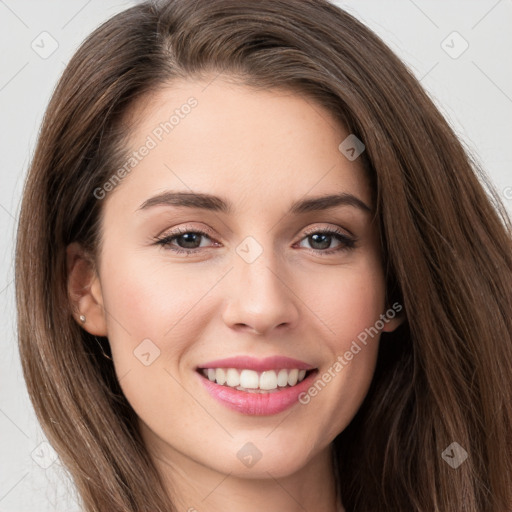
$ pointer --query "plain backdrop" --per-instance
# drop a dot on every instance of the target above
(460, 50)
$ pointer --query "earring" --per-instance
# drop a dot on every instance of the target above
(82, 319)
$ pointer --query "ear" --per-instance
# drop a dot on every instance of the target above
(395, 317)
(84, 290)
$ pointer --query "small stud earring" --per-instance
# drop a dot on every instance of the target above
(82, 319)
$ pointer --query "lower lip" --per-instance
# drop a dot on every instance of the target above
(257, 404)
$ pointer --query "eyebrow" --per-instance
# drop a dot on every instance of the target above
(218, 204)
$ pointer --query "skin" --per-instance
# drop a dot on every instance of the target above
(261, 150)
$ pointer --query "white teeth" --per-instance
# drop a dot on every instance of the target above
(268, 380)
(249, 379)
(220, 376)
(232, 378)
(293, 375)
(282, 378)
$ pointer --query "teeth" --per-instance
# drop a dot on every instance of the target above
(251, 380)
(293, 375)
(268, 380)
(220, 376)
(282, 378)
(232, 378)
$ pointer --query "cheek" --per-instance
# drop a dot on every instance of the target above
(348, 301)
(350, 309)
(145, 300)
(155, 314)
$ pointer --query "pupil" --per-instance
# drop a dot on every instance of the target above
(190, 239)
(326, 242)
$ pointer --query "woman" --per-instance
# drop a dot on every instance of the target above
(256, 269)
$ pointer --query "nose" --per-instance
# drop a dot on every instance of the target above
(261, 298)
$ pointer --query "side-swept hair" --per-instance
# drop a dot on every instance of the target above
(443, 376)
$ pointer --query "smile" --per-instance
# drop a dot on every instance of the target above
(256, 387)
(255, 382)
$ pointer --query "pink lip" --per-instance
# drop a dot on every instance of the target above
(258, 365)
(257, 404)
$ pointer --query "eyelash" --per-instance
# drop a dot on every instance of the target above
(347, 242)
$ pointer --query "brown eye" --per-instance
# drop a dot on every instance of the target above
(320, 240)
(186, 241)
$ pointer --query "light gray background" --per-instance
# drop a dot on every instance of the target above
(473, 90)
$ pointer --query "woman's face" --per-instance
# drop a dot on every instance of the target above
(185, 281)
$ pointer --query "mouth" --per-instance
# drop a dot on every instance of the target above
(257, 387)
(251, 381)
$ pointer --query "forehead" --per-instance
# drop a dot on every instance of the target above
(238, 142)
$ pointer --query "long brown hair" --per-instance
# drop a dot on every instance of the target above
(444, 376)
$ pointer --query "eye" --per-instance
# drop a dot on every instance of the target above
(321, 239)
(188, 240)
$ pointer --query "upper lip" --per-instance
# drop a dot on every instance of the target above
(259, 365)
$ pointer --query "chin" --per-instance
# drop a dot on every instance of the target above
(280, 453)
